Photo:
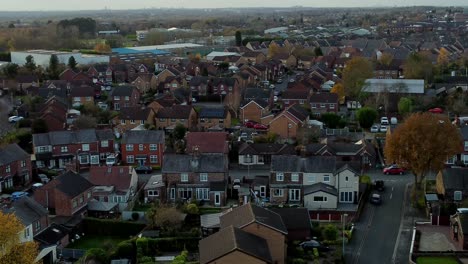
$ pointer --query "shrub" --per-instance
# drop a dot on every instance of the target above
(365, 179)
(330, 232)
(142, 243)
(298, 261)
(96, 254)
(125, 249)
(135, 216)
(107, 227)
(191, 209)
(181, 259)
(171, 244)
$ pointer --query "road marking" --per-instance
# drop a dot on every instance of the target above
(397, 242)
(361, 245)
(392, 189)
(391, 196)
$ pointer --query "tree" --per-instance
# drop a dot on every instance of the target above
(39, 126)
(238, 38)
(95, 255)
(165, 217)
(356, 71)
(331, 120)
(85, 122)
(318, 51)
(72, 63)
(181, 259)
(179, 131)
(420, 144)
(11, 70)
(443, 58)
(30, 64)
(366, 116)
(386, 59)
(405, 106)
(12, 250)
(417, 66)
(53, 67)
(338, 88)
(102, 48)
(330, 232)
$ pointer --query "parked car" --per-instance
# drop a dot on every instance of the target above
(144, 169)
(384, 121)
(311, 244)
(260, 127)
(292, 80)
(272, 86)
(194, 100)
(393, 170)
(436, 110)
(374, 129)
(43, 178)
(279, 81)
(250, 124)
(383, 128)
(379, 185)
(14, 119)
(36, 186)
(376, 199)
(18, 195)
(108, 88)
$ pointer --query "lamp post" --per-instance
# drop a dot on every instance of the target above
(77, 166)
(344, 221)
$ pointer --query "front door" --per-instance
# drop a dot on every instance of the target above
(217, 198)
(262, 191)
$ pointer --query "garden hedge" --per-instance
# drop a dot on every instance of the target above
(106, 227)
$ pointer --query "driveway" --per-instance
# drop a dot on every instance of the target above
(378, 227)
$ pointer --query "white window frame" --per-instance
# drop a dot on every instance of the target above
(64, 149)
(153, 159)
(7, 168)
(294, 177)
(141, 147)
(203, 194)
(153, 147)
(85, 147)
(325, 177)
(84, 159)
(311, 178)
(129, 147)
(94, 159)
(203, 177)
(295, 195)
(451, 160)
(346, 197)
(104, 143)
(153, 193)
(280, 176)
(130, 159)
(184, 177)
(23, 163)
(278, 193)
(172, 193)
(324, 199)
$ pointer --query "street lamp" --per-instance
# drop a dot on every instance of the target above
(344, 221)
(76, 161)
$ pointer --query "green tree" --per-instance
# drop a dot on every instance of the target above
(85, 122)
(39, 126)
(330, 232)
(179, 131)
(238, 38)
(11, 70)
(53, 67)
(72, 63)
(30, 64)
(405, 106)
(181, 259)
(356, 71)
(95, 255)
(418, 66)
(331, 120)
(366, 116)
(318, 51)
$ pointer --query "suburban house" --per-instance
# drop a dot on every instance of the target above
(168, 117)
(254, 57)
(295, 96)
(207, 142)
(58, 148)
(143, 82)
(54, 112)
(287, 123)
(254, 110)
(196, 176)
(32, 215)
(233, 245)
(132, 117)
(114, 184)
(462, 157)
(124, 96)
(458, 229)
(216, 119)
(262, 223)
(15, 167)
(68, 194)
(297, 222)
(261, 153)
(452, 183)
(101, 72)
(82, 95)
(324, 103)
(286, 179)
(154, 189)
(143, 147)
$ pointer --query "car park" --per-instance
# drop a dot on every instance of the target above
(311, 244)
(383, 128)
(14, 119)
(374, 129)
(144, 169)
(393, 170)
(376, 199)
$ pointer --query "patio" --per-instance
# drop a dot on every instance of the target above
(436, 238)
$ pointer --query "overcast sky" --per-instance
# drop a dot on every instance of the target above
(48, 5)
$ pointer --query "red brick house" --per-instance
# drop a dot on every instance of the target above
(15, 167)
(131, 117)
(124, 96)
(142, 147)
(101, 72)
(199, 176)
(82, 147)
(208, 142)
(289, 121)
(295, 96)
(324, 103)
(254, 110)
(54, 113)
(68, 194)
(168, 117)
(81, 95)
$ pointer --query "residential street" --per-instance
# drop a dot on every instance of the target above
(5, 108)
(376, 236)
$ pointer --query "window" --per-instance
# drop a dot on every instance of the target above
(153, 193)
(346, 197)
(173, 120)
(184, 177)
(85, 147)
(153, 158)
(23, 163)
(74, 204)
(322, 105)
(130, 159)
(311, 178)
(42, 149)
(153, 147)
(117, 106)
(132, 121)
(301, 101)
(81, 199)
(452, 160)
(457, 195)
(88, 98)
(203, 194)
(129, 147)
(295, 195)
(172, 194)
(464, 159)
(88, 195)
(320, 198)
(326, 178)
(141, 147)
(332, 106)
(203, 177)
(63, 149)
(84, 159)
(8, 169)
(127, 98)
(116, 98)
(314, 106)
(278, 193)
(248, 158)
(104, 143)
(142, 122)
(162, 119)
(185, 193)
(26, 233)
(295, 177)
(37, 226)
(279, 176)
(346, 179)
(122, 122)
(95, 159)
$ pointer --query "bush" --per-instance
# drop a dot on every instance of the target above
(96, 254)
(192, 209)
(125, 249)
(107, 227)
(366, 116)
(330, 232)
(365, 179)
(171, 244)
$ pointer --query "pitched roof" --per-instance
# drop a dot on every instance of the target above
(134, 113)
(324, 98)
(320, 187)
(213, 112)
(455, 178)
(260, 102)
(248, 213)
(27, 210)
(230, 239)
(82, 91)
(286, 163)
(205, 162)
(72, 184)
(294, 218)
(320, 164)
(143, 136)
(125, 90)
(175, 111)
(11, 153)
(208, 142)
(256, 93)
(118, 176)
(266, 148)
(70, 137)
(298, 112)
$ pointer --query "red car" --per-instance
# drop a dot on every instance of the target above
(260, 127)
(436, 110)
(250, 124)
(393, 170)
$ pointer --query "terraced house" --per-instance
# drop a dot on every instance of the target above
(15, 167)
(143, 147)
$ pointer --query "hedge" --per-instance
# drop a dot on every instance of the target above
(171, 244)
(108, 227)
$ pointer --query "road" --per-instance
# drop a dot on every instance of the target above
(5, 108)
(375, 239)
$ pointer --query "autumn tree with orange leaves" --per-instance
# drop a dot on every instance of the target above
(11, 248)
(423, 142)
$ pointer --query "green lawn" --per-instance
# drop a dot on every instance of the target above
(209, 210)
(88, 242)
(436, 260)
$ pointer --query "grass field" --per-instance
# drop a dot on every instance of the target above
(436, 260)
